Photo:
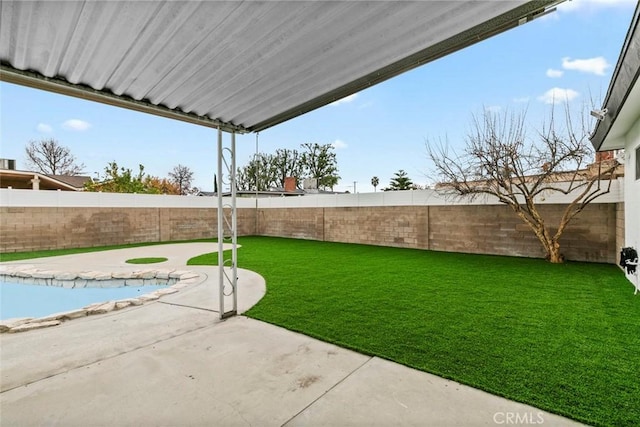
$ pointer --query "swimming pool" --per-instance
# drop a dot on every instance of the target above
(23, 300)
(33, 298)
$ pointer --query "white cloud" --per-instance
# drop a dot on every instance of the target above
(345, 100)
(596, 65)
(554, 74)
(338, 144)
(558, 95)
(44, 128)
(521, 100)
(570, 6)
(587, 7)
(493, 108)
(76, 124)
(591, 5)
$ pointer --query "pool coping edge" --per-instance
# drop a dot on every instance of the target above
(183, 279)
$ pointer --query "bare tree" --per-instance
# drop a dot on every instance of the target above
(49, 157)
(500, 160)
(182, 177)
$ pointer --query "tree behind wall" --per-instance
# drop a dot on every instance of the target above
(320, 162)
(287, 163)
(260, 174)
(49, 157)
(374, 182)
(123, 180)
(400, 181)
(182, 177)
(500, 160)
(162, 185)
(266, 171)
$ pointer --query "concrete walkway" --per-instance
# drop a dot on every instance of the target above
(173, 363)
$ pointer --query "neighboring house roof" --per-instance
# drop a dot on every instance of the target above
(237, 65)
(622, 102)
(588, 173)
(76, 181)
(23, 180)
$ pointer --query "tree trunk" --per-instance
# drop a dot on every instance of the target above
(549, 243)
(553, 252)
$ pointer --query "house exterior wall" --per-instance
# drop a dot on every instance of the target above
(632, 188)
(620, 226)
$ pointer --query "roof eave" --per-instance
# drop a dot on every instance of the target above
(514, 18)
(41, 177)
(57, 85)
(625, 77)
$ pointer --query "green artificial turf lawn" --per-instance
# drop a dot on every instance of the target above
(149, 260)
(564, 338)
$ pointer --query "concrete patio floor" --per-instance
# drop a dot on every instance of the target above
(172, 362)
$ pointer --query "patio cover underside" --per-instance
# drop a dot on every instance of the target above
(242, 66)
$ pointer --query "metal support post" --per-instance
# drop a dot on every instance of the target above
(234, 225)
(227, 228)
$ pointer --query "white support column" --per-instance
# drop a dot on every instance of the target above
(35, 182)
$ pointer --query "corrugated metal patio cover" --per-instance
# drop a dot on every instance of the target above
(243, 65)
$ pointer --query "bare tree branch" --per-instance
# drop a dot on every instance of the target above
(49, 157)
(500, 160)
(182, 177)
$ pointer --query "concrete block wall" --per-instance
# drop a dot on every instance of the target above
(497, 230)
(487, 229)
(186, 224)
(35, 228)
(397, 226)
(595, 235)
(41, 228)
(299, 223)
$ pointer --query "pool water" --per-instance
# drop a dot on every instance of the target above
(17, 300)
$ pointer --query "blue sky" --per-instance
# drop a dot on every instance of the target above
(570, 54)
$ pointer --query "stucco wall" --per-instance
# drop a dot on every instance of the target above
(632, 189)
(620, 227)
